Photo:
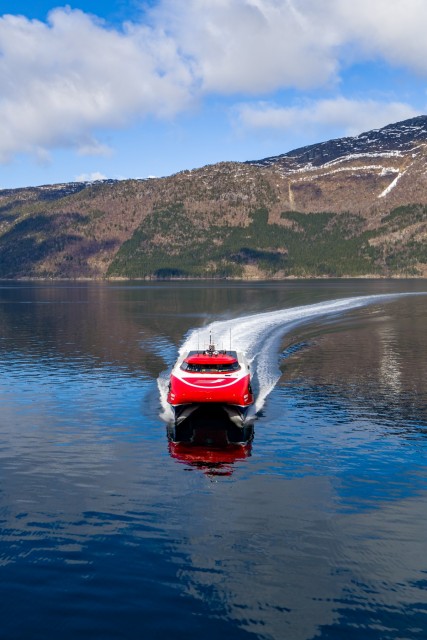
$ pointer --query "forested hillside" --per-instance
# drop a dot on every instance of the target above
(352, 207)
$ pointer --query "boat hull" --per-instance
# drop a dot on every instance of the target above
(210, 425)
(238, 415)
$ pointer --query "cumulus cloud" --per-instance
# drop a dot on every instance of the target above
(393, 30)
(352, 116)
(257, 46)
(90, 177)
(93, 147)
(251, 46)
(64, 80)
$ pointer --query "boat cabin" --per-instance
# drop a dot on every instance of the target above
(211, 362)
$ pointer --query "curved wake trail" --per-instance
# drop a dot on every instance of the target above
(259, 336)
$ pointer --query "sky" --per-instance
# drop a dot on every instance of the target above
(134, 89)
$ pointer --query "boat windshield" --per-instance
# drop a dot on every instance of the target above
(210, 368)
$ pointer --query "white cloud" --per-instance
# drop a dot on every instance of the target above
(351, 116)
(258, 46)
(65, 80)
(250, 45)
(391, 29)
(90, 177)
(92, 147)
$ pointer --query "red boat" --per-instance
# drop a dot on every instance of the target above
(208, 380)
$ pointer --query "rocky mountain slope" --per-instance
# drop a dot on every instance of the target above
(370, 173)
(347, 207)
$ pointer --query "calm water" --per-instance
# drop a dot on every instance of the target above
(317, 528)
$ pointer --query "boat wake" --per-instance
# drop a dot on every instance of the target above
(258, 337)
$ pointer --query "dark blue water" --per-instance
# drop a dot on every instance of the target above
(317, 528)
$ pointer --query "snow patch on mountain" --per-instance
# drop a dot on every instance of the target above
(392, 184)
(394, 140)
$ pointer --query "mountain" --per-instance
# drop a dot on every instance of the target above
(394, 138)
(354, 206)
(371, 173)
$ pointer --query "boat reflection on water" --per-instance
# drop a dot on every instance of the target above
(209, 442)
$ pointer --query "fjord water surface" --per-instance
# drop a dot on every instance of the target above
(315, 529)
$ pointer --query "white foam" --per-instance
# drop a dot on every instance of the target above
(258, 337)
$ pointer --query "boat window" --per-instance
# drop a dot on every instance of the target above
(210, 368)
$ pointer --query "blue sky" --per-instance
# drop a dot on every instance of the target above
(120, 89)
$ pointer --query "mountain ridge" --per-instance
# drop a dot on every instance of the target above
(393, 137)
(357, 204)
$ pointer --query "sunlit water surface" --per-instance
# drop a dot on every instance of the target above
(317, 528)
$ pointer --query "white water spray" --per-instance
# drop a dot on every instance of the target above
(258, 337)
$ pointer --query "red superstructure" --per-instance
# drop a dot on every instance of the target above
(202, 378)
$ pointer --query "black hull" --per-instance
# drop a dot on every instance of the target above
(210, 424)
(211, 414)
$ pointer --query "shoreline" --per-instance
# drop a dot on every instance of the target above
(213, 279)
